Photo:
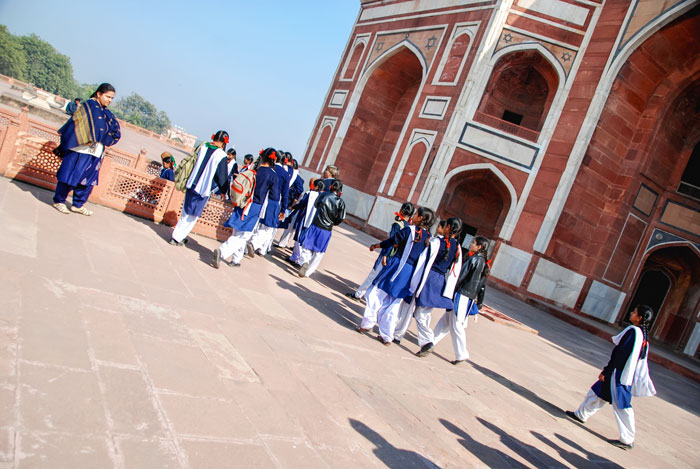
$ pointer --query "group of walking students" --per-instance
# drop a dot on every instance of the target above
(415, 272)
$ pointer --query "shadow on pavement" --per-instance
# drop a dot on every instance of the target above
(388, 453)
(491, 457)
(573, 458)
(552, 409)
(320, 303)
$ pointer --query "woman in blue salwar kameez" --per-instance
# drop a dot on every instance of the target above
(84, 138)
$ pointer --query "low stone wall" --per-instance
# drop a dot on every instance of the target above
(128, 183)
(48, 114)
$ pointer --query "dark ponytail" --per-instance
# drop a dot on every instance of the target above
(483, 244)
(646, 314)
(405, 212)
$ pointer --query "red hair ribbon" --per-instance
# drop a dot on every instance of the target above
(447, 237)
(261, 152)
(213, 138)
(273, 156)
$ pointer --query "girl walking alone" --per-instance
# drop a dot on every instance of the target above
(626, 375)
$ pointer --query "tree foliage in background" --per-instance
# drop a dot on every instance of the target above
(13, 61)
(31, 59)
(46, 67)
(136, 110)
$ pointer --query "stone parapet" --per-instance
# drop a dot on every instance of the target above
(128, 183)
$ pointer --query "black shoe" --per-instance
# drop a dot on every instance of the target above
(457, 362)
(249, 250)
(621, 445)
(396, 341)
(425, 350)
(361, 330)
(217, 258)
(352, 296)
(574, 417)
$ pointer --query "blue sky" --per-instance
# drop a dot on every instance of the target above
(258, 69)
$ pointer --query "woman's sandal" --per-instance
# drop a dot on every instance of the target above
(81, 210)
(61, 208)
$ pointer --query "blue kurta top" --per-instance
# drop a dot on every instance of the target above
(283, 181)
(618, 360)
(167, 173)
(265, 183)
(400, 286)
(90, 123)
(431, 295)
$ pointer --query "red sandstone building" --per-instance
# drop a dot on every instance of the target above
(565, 130)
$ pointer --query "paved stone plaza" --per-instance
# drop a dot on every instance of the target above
(119, 350)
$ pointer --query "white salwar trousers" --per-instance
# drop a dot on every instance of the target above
(404, 318)
(184, 226)
(425, 333)
(312, 257)
(382, 309)
(235, 246)
(624, 417)
(262, 238)
(286, 237)
(362, 289)
(288, 232)
(455, 322)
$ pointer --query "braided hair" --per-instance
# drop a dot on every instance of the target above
(646, 314)
(454, 228)
(427, 219)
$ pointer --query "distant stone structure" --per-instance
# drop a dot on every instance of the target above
(175, 132)
(565, 130)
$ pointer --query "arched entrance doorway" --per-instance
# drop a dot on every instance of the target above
(377, 122)
(670, 283)
(480, 199)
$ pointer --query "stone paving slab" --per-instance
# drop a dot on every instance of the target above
(119, 350)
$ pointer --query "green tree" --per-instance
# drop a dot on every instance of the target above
(136, 110)
(13, 61)
(46, 67)
(85, 90)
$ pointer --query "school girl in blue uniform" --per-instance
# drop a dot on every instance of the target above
(401, 221)
(243, 220)
(399, 278)
(626, 375)
(444, 261)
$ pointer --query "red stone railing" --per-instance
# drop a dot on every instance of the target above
(128, 183)
(505, 126)
(135, 128)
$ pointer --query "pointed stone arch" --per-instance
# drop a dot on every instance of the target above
(385, 96)
(490, 173)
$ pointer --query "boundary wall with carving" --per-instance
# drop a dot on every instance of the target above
(128, 183)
